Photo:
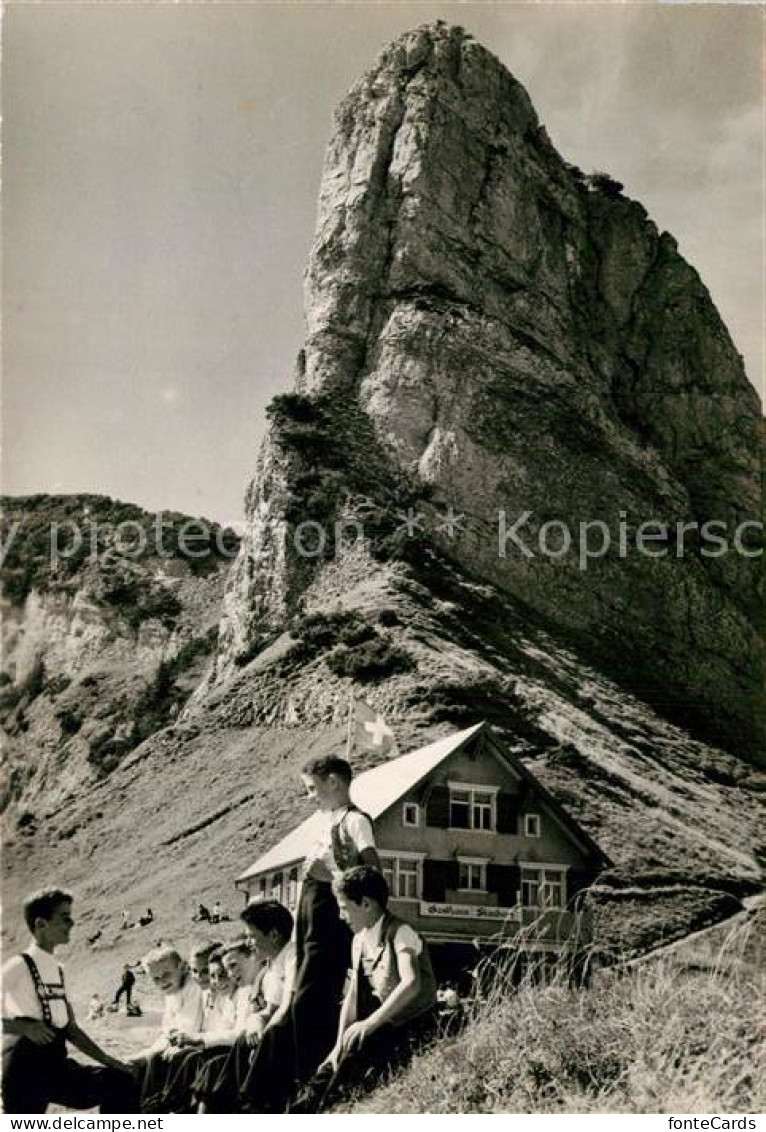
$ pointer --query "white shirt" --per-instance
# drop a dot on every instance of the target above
(357, 827)
(366, 943)
(20, 998)
(279, 976)
(366, 946)
(218, 1020)
(183, 1011)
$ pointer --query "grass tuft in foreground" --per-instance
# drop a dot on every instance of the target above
(664, 1036)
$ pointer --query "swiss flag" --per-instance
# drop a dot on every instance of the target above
(371, 732)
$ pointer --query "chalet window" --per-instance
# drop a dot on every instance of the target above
(404, 875)
(292, 889)
(411, 814)
(543, 887)
(472, 807)
(276, 886)
(530, 887)
(408, 880)
(552, 891)
(531, 825)
(481, 816)
(262, 888)
(472, 875)
(460, 809)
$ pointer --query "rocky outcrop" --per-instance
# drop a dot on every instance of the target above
(107, 627)
(517, 342)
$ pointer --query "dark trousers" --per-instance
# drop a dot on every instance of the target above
(382, 1053)
(179, 1093)
(220, 1079)
(36, 1076)
(155, 1073)
(124, 989)
(289, 1053)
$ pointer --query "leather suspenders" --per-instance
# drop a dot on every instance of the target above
(43, 996)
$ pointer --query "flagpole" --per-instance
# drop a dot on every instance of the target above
(349, 727)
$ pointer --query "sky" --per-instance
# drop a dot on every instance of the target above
(161, 169)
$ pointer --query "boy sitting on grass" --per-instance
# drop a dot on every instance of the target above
(269, 926)
(219, 1004)
(390, 1003)
(172, 1090)
(183, 1014)
(38, 1021)
(206, 966)
(217, 1010)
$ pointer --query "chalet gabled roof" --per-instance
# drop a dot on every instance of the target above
(376, 790)
(592, 848)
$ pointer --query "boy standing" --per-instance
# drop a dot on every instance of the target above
(391, 999)
(296, 1041)
(38, 1020)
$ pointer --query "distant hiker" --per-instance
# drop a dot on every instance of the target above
(295, 1043)
(38, 1021)
(390, 1003)
(125, 920)
(216, 914)
(127, 982)
(203, 914)
(146, 919)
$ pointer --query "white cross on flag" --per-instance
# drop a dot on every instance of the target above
(372, 733)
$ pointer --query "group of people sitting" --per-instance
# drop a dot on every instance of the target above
(261, 1023)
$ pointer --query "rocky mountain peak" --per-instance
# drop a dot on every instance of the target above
(495, 335)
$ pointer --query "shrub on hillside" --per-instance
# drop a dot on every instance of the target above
(370, 661)
(483, 696)
(136, 603)
(70, 721)
(195, 648)
(605, 184)
(318, 632)
(388, 618)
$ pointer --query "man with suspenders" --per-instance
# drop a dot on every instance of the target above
(38, 1021)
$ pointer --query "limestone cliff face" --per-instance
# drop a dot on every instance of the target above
(512, 336)
(102, 646)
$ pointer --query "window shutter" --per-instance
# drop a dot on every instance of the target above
(507, 813)
(576, 881)
(505, 881)
(437, 807)
(453, 873)
(435, 876)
